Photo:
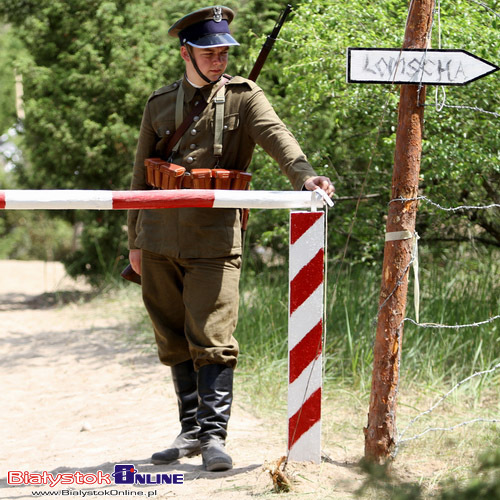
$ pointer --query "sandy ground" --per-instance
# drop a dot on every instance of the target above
(76, 398)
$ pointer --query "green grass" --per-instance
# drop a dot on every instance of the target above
(455, 290)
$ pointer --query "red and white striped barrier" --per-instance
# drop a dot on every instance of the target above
(305, 328)
(177, 198)
(306, 276)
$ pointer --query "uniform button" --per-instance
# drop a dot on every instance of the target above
(193, 132)
(192, 147)
(196, 118)
(225, 127)
(196, 103)
(190, 159)
(167, 132)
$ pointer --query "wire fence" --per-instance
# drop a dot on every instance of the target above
(448, 209)
(400, 441)
(440, 103)
(414, 256)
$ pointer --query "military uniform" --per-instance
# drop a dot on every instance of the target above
(191, 257)
(249, 119)
(201, 233)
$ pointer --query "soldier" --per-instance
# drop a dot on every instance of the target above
(189, 258)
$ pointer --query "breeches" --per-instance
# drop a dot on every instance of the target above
(193, 305)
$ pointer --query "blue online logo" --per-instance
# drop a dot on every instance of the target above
(128, 474)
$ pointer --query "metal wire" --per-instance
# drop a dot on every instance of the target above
(435, 405)
(447, 209)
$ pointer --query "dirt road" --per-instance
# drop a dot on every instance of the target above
(76, 398)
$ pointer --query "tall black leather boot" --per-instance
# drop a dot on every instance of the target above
(215, 395)
(186, 444)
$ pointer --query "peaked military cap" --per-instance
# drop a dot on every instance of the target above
(204, 28)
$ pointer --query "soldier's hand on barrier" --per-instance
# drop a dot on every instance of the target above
(322, 182)
(134, 256)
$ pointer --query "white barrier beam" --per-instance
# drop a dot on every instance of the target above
(123, 200)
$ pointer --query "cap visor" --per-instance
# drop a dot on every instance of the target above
(216, 40)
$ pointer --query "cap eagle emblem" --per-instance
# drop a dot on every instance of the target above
(218, 14)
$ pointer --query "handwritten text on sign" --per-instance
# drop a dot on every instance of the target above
(429, 67)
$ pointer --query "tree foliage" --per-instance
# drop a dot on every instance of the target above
(348, 130)
(8, 47)
(89, 69)
(90, 65)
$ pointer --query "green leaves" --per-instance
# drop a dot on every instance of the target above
(91, 64)
(90, 67)
(351, 127)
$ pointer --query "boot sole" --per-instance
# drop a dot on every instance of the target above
(159, 461)
(218, 467)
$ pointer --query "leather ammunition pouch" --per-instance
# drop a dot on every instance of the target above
(164, 175)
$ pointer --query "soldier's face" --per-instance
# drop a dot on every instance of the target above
(212, 62)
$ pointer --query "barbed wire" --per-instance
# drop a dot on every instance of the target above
(439, 106)
(482, 4)
(435, 405)
(452, 327)
(452, 428)
(415, 236)
(447, 209)
(401, 441)
(414, 256)
(436, 325)
(456, 106)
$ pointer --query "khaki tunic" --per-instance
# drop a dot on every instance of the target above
(191, 257)
(249, 119)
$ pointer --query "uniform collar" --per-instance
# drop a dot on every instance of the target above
(207, 91)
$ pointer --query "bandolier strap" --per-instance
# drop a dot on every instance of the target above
(179, 115)
(219, 100)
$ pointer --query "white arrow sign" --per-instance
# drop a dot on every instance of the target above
(426, 67)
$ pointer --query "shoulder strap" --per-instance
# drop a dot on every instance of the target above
(219, 100)
(197, 110)
(183, 127)
(179, 107)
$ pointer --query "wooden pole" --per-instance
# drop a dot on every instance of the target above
(380, 432)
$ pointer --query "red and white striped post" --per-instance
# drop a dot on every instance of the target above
(305, 328)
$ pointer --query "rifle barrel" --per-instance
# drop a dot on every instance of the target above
(268, 44)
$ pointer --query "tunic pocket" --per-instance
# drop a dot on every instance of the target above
(164, 128)
(231, 122)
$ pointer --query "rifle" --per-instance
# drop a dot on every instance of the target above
(254, 74)
(128, 273)
(268, 44)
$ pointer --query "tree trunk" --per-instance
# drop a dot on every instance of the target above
(380, 432)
